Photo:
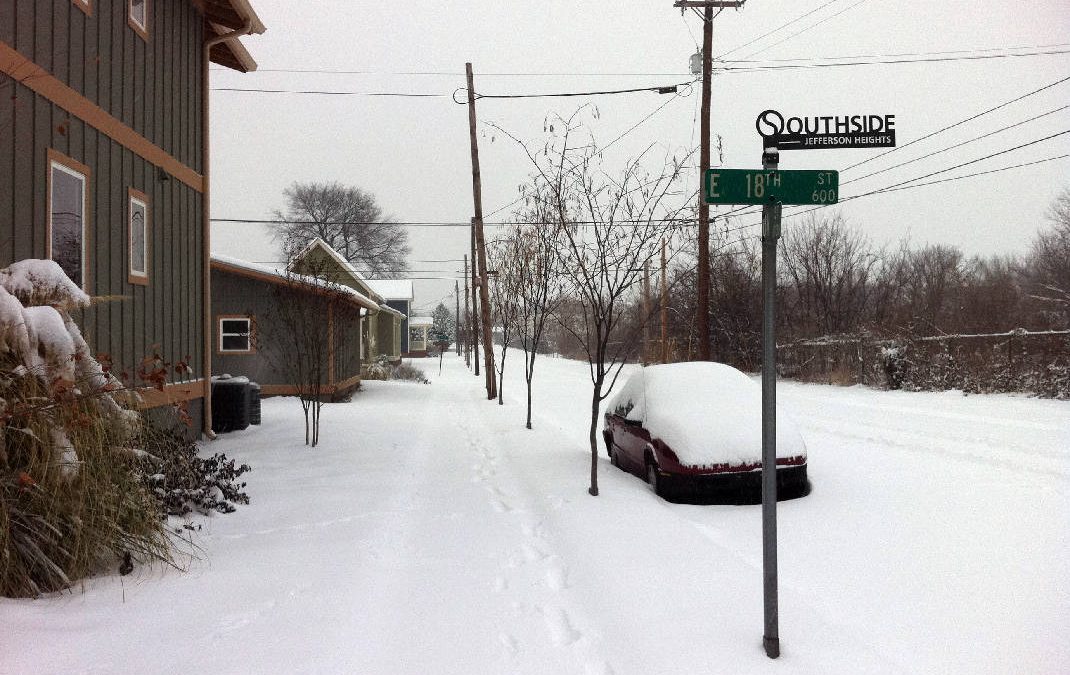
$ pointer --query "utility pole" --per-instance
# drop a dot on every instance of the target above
(475, 304)
(645, 352)
(664, 308)
(481, 246)
(457, 320)
(467, 320)
(703, 306)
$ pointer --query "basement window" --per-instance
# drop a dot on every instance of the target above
(138, 17)
(235, 335)
(138, 237)
(68, 187)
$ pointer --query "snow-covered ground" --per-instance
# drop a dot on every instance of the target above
(431, 533)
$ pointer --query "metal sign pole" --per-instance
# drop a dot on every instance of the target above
(770, 234)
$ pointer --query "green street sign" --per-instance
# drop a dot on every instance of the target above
(757, 186)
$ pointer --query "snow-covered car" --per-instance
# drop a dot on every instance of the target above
(694, 432)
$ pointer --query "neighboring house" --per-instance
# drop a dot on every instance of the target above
(420, 335)
(104, 166)
(398, 294)
(264, 319)
(382, 331)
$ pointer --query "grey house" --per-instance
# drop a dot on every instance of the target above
(104, 165)
(264, 321)
(398, 295)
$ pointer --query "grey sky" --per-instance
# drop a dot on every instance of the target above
(413, 153)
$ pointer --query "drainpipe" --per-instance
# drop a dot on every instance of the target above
(206, 233)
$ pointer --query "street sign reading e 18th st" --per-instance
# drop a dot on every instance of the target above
(758, 186)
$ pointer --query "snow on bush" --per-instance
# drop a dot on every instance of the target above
(70, 495)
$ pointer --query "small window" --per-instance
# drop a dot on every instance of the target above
(139, 17)
(138, 236)
(235, 335)
(85, 5)
(68, 187)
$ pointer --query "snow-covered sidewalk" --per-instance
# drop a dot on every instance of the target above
(431, 533)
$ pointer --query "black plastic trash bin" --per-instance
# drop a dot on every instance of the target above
(230, 403)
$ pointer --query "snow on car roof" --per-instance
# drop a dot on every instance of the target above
(707, 413)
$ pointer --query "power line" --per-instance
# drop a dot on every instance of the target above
(959, 123)
(776, 30)
(939, 59)
(800, 32)
(904, 185)
(958, 145)
(328, 93)
(327, 71)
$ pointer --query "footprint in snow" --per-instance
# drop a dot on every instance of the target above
(557, 623)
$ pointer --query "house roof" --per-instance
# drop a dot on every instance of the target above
(390, 310)
(392, 289)
(276, 276)
(223, 17)
(342, 262)
(418, 321)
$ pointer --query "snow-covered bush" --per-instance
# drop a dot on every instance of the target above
(182, 481)
(71, 500)
(384, 369)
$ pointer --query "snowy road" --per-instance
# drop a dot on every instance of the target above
(432, 533)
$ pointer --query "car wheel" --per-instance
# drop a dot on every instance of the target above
(653, 479)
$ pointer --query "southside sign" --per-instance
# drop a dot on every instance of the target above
(826, 132)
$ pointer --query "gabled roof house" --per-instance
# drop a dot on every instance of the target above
(264, 319)
(104, 166)
(382, 330)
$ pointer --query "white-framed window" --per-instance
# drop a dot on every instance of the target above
(138, 17)
(68, 207)
(235, 335)
(138, 237)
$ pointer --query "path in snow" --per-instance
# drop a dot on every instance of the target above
(431, 533)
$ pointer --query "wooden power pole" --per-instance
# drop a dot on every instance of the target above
(467, 320)
(475, 305)
(664, 308)
(481, 245)
(645, 351)
(457, 320)
(702, 310)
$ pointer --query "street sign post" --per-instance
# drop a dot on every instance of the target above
(759, 186)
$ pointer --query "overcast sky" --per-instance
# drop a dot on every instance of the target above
(413, 153)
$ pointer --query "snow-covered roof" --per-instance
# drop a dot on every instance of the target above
(392, 289)
(342, 262)
(275, 275)
(417, 321)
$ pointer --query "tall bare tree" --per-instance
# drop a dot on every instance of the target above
(610, 224)
(350, 220)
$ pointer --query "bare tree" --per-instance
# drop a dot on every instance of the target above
(610, 226)
(1048, 265)
(505, 289)
(307, 306)
(829, 268)
(350, 220)
(540, 286)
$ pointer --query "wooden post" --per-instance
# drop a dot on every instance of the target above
(457, 319)
(481, 247)
(645, 351)
(475, 304)
(467, 320)
(664, 308)
(703, 310)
